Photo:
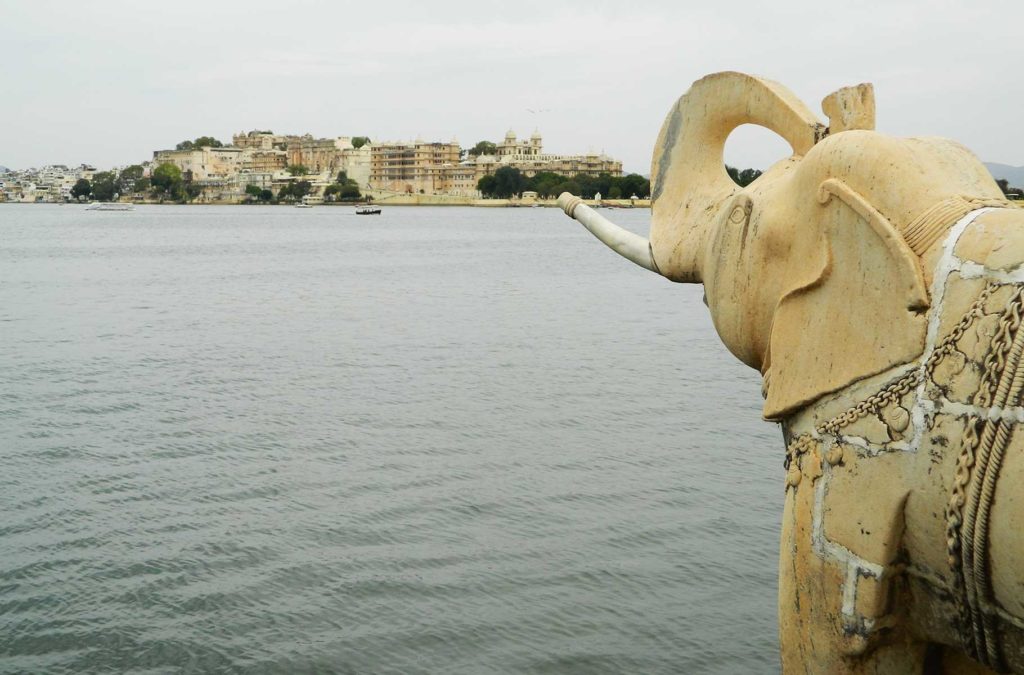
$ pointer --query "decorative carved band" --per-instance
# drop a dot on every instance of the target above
(981, 457)
(936, 220)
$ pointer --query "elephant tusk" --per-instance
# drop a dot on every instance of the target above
(630, 246)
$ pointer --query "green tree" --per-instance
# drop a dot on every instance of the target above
(81, 188)
(742, 178)
(294, 191)
(635, 184)
(350, 192)
(508, 181)
(570, 186)
(748, 176)
(359, 141)
(167, 180)
(1004, 185)
(207, 141)
(331, 192)
(590, 186)
(297, 170)
(345, 189)
(544, 182)
(548, 184)
(133, 172)
(253, 191)
(201, 142)
(586, 183)
(129, 176)
(483, 148)
(266, 195)
(103, 188)
(486, 185)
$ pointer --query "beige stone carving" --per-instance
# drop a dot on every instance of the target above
(877, 283)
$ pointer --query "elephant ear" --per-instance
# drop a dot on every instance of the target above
(863, 314)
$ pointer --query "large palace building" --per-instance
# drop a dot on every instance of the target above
(415, 167)
(438, 168)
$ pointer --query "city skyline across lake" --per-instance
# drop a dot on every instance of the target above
(344, 168)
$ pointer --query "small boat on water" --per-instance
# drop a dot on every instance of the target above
(368, 211)
(110, 206)
(303, 206)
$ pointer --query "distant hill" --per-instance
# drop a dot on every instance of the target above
(4, 169)
(1014, 175)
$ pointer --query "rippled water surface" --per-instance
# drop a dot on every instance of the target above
(435, 441)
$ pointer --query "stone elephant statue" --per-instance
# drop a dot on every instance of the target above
(877, 284)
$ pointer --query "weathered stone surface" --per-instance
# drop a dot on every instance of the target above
(958, 296)
(871, 428)
(960, 378)
(925, 513)
(850, 108)
(872, 597)
(870, 529)
(1007, 552)
(996, 242)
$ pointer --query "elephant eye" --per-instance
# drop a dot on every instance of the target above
(741, 210)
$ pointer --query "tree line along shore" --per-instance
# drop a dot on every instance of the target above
(168, 184)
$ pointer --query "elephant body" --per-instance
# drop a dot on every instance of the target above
(877, 284)
(904, 512)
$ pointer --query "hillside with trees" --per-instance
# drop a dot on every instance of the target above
(1013, 175)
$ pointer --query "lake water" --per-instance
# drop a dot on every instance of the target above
(447, 440)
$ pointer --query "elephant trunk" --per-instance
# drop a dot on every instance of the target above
(630, 246)
(688, 179)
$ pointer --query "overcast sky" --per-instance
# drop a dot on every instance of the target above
(108, 82)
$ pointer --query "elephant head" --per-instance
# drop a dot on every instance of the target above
(816, 273)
